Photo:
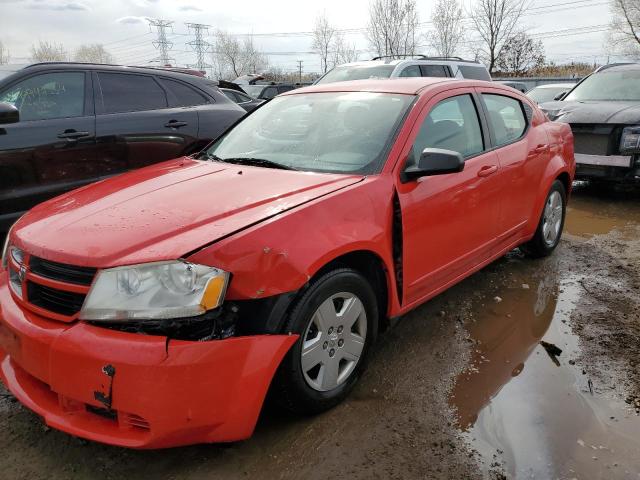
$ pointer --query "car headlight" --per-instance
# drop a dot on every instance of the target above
(5, 249)
(161, 290)
(630, 140)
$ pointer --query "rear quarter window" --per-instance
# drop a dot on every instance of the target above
(185, 95)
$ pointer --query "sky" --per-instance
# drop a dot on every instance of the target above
(570, 29)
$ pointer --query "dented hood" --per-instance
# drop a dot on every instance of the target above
(594, 112)
(164, 211)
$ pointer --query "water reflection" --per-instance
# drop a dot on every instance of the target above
(505, 335)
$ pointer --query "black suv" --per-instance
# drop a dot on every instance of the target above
(63, 125)
(604, 113)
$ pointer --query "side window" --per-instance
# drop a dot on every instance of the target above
(434, 71)
(242, 97)
(474, 72)
(284, 88)
(269, 93)
(452, 124)
(46, 96)
(506, 118)
(186, 95)
(411, 71)
(123, 92)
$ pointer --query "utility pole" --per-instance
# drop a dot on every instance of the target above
(199, 44)
(161, 43)
(300, 71)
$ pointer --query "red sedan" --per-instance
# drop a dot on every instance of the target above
(157, 308)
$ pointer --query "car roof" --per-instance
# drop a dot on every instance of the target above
(119, 68)
(616, 67)
(406, 86)
(417, 61)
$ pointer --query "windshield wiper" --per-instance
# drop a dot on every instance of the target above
(208, 156)
(259, 162)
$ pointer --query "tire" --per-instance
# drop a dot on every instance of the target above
(545, 241)
(330, 367)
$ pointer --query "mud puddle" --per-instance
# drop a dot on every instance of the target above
(542, 397)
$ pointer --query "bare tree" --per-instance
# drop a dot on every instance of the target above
(520, 54)
(624, 30)
(448, 30)
(343, 52)
(48, 52)
(393, 27)
(495, 21)
(232, 58)
(93, 53)
(323, 34)
(4, 54)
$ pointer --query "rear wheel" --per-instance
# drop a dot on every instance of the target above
(336, 319)
(551, 223)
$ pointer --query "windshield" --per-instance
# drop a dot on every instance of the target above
(616, 85)
(253, 90)
(357, 72)
(547, 94)
(339, 132)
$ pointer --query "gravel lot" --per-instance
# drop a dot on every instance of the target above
(460, 388)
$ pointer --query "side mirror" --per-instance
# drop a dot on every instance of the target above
(561, 95)
(434, 161)
(8, 114)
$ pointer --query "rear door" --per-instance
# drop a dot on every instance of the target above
(140, 122)
(448, 221)
(523, 151)
(52, 148)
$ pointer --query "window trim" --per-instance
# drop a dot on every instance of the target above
(88, 105)
(99, 102)
(500, 93)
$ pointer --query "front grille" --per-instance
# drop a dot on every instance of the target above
(54, 300)
(595, 139)
(62, 272)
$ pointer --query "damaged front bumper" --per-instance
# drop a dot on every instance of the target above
(135, 390)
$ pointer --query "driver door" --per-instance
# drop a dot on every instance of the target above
(449, 221)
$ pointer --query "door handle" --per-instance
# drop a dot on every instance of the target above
(487, 170)
(175, 124)
(72, 134)
(538, 150)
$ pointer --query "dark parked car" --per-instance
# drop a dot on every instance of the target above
(79, 123)
(604, 113)
(267, 91)
(242, 99)
(521, 87)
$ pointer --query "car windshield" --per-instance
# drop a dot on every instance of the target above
(339, 132)
(546, 94)
(253, 90)
(357, 72)
(615, 85)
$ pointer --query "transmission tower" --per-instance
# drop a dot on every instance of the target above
(199, 44)
(162, 43)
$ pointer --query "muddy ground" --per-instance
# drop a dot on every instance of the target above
(460, 388)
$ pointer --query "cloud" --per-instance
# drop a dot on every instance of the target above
(131, 20)
(59, 6)
(189, 8)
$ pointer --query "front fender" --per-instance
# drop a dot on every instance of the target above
(281, 254)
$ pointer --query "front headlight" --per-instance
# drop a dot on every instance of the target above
(161, 290)
(630, 140)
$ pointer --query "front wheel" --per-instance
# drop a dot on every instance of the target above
(336, 318)
(551, 223)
